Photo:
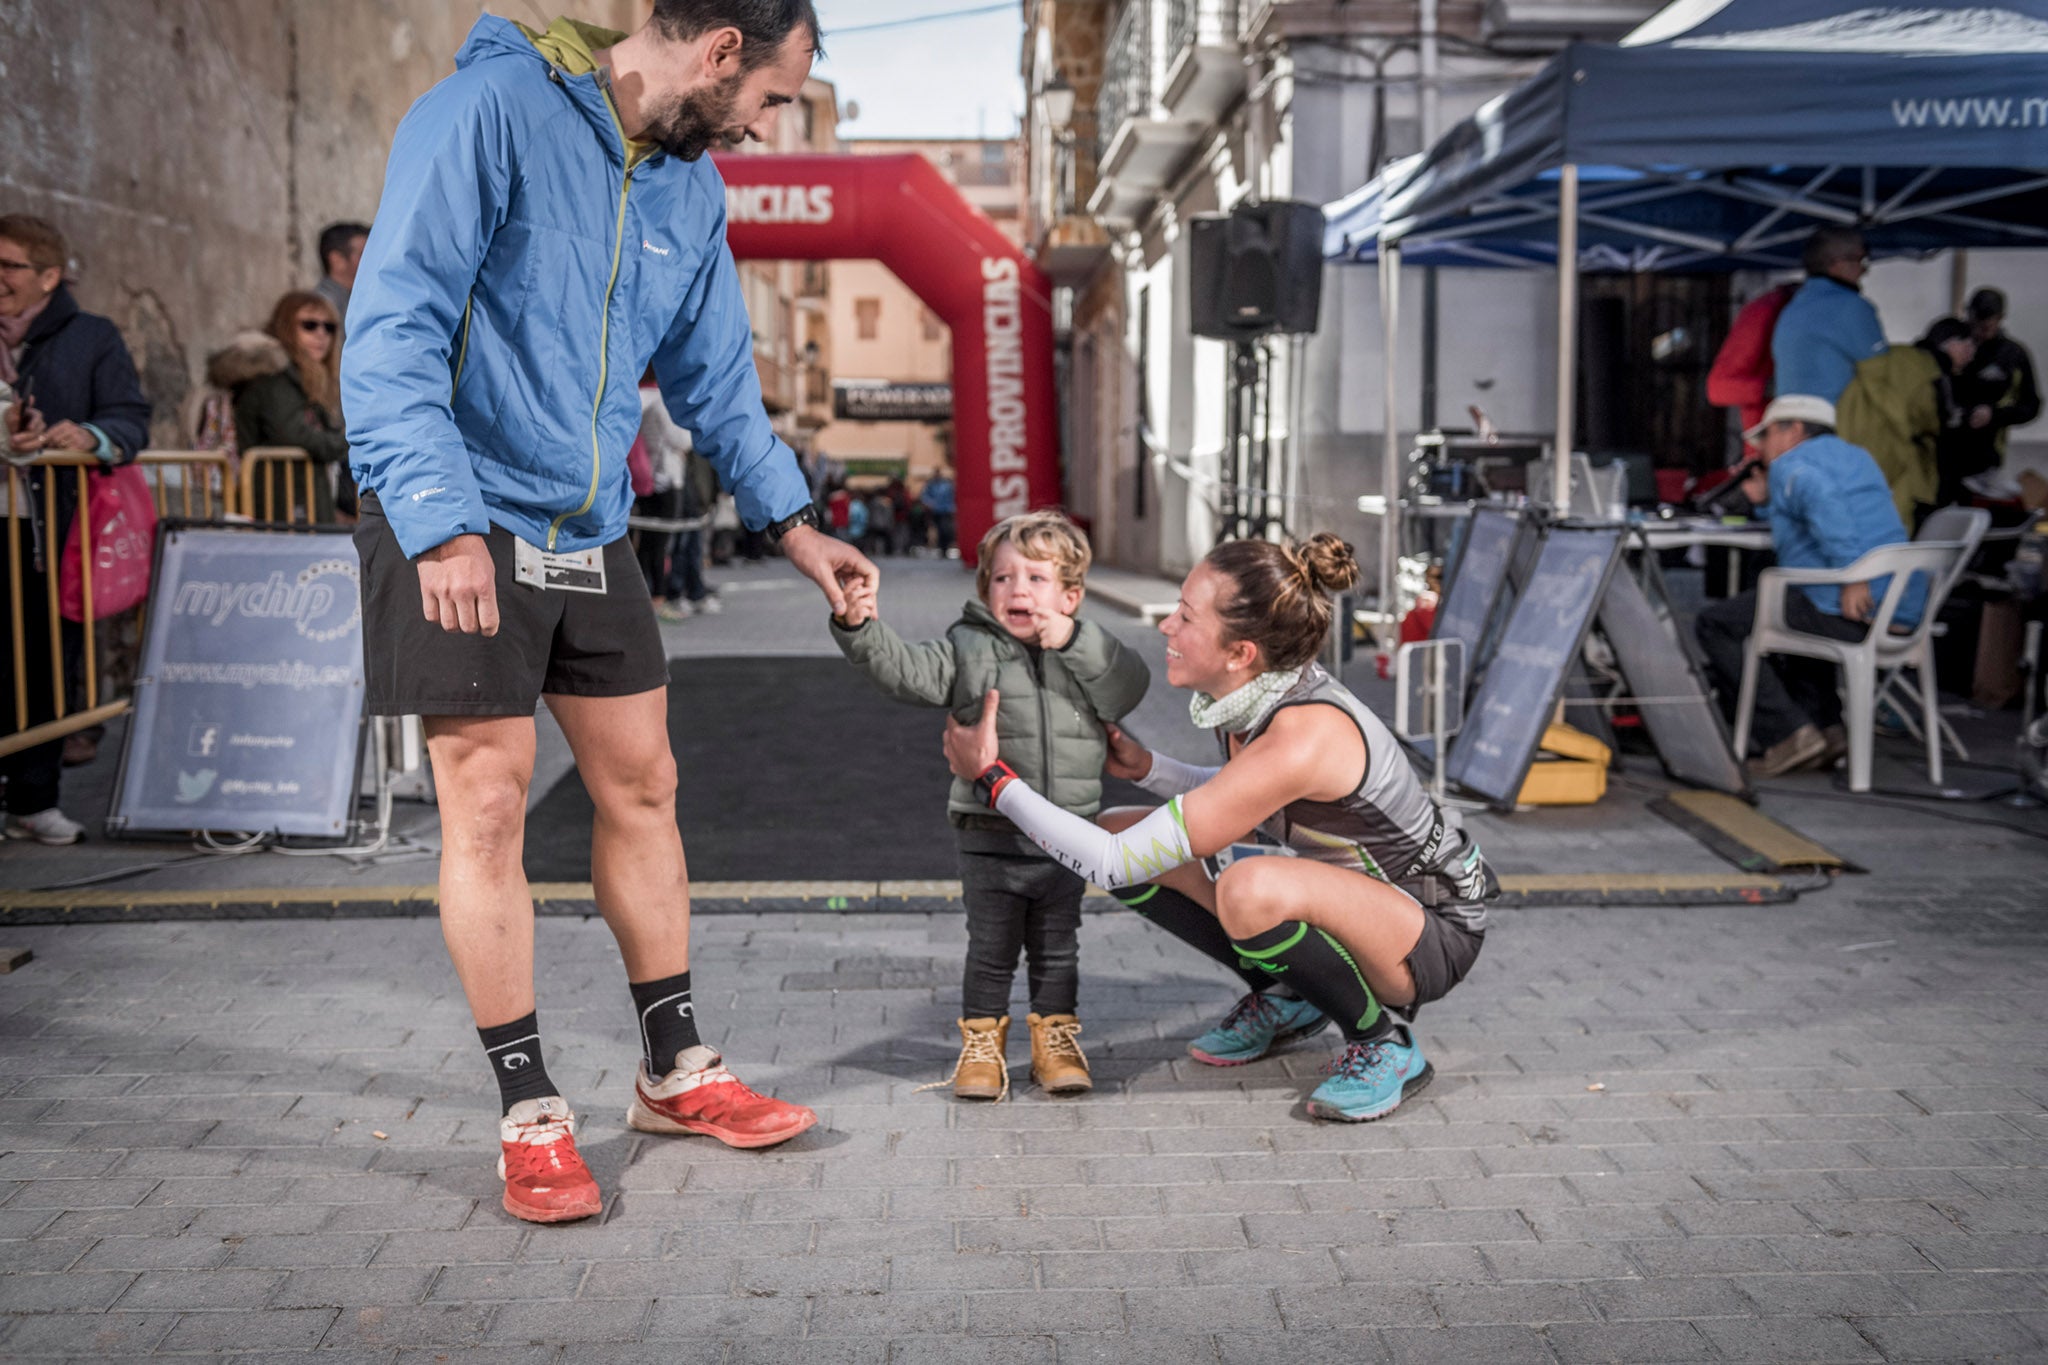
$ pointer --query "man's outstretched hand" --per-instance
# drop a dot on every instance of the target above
(971, 748)
(831, 563)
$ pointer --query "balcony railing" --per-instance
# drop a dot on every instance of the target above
(1126, 75)
(1199, 21)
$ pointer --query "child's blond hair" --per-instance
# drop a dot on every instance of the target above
(1046, 535)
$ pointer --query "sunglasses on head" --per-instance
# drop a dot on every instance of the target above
(317, 325)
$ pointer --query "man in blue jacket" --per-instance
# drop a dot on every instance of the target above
(1828, 328)
(548, 227)
(1828, 506)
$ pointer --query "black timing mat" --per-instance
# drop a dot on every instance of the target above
(790, 770)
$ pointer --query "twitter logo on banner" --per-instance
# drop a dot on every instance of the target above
(194, 786)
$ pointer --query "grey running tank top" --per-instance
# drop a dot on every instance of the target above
(1388, 827)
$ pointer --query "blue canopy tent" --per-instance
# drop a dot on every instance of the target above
(1717, 137)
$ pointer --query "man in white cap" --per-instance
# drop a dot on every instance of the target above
(1828, 506)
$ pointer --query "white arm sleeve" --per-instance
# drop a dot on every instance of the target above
(1171, 777)
(1158, 843)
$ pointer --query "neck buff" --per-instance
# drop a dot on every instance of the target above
(1244, 708)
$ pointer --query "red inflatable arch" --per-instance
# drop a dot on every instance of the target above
(900, 211)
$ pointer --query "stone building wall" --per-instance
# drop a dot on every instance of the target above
(191, 150)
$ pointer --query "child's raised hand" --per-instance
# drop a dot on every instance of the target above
(862, 605)
(1055, 630)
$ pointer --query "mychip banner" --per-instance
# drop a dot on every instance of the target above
(249, 697)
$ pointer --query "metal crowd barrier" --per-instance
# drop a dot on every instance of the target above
(278, 465)
(196, 484)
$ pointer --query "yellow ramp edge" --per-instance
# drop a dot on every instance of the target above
(393, 895)
(1521, 883)
(1751, 828)
(243, 895)
(1593, 883)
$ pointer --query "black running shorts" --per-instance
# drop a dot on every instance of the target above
(578, 644)
(1442, 956)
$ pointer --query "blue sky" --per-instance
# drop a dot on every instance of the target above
(952, 78)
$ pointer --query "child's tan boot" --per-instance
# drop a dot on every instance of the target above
(1057, 1063)
(983, 1071)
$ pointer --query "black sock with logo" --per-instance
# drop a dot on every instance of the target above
(1324, 973)
(514, 1050)
(668, 1020)
(1184, 918)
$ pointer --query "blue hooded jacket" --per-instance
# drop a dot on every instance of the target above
(1829, 507)
(1825, 332)
(519, 279)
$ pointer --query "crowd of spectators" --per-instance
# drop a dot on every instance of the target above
(1860, 441)
(69, 384)
(888, 518)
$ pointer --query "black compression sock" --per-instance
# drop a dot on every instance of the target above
(668, 1020)
(1184, 918)
(1323, 972)
(514, 1050)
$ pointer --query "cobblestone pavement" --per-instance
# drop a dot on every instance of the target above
(1804, 1132)
(1811, 1131)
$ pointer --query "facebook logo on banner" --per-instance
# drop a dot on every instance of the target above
(205, 740)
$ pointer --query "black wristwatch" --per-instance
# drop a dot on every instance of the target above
(806, 517)
(993, 779)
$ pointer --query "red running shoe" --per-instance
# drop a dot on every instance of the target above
(545, 1178)
(701, 1096)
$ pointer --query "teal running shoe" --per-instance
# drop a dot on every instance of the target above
(1369, 1080)
(1255, 1026)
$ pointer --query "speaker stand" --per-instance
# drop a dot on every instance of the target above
(1250, 507)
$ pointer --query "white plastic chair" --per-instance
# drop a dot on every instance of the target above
(1859, 660)
(1967, 525)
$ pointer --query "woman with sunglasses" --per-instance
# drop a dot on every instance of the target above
(294, 399)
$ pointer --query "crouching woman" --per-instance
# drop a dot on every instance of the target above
(1311, 862)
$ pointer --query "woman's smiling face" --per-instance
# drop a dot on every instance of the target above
(1197, 655)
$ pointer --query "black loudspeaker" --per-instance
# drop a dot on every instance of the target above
(1256, 270)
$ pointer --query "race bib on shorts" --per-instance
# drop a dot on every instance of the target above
(573, 571)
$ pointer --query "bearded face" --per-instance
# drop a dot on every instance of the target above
(690, 125)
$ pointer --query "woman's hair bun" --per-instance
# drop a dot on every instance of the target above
(1331, 564)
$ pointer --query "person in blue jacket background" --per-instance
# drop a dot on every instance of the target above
(1828, 328)
(548, 226)
(1828, 506)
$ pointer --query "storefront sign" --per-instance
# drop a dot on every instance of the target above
(856, 401)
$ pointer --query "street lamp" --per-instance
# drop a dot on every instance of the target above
(1056, 101)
